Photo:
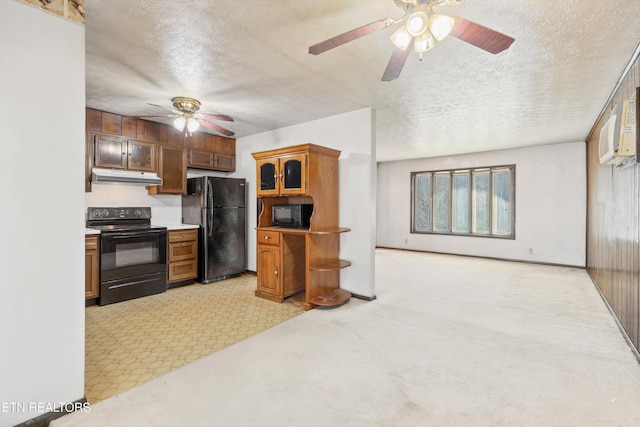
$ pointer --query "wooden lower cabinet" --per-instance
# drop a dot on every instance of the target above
(183, 256)
(281, 264)
(91, 267)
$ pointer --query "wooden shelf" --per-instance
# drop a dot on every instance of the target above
(330, 265)
(332, 299)
(336, 230)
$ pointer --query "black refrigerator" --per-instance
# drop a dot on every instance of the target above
(217, 205)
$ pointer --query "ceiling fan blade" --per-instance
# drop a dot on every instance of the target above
(480, 36)
(222, 117)
(164, 108)
(215, 127)
(159, 115)
(396, 62)
(354, 34)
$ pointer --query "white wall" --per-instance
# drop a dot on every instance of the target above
(353, 134)
(166, 209)
(550, 205)
(41, 224)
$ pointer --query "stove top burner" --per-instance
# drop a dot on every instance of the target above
(120, 219)
(125, 227)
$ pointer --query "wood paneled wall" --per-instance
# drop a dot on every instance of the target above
(613, 239)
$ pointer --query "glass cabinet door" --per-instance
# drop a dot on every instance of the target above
(293, 174)
(267, 176)
(142, 156)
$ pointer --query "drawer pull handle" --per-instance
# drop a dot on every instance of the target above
(267, 237)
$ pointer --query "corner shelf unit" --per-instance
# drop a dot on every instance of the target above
(291, 260)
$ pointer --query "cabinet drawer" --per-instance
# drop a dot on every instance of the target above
(183, 270)
(183, 235)
(91, 243)
(182, 250)
(268, 237)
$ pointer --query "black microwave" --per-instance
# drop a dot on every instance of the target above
(294, 216)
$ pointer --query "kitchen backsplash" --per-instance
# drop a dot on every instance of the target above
(165, 209)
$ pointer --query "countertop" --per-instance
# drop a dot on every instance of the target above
(88, 231)
(178, 226)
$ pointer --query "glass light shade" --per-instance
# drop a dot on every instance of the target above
(179, 123)
(417, 23)
(424, 43)
(401, 38)
(192, 125)
(441, 25)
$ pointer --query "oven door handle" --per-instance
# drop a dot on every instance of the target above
(129, 234)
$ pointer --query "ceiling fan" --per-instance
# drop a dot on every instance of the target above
(188, 120)
(420, 29)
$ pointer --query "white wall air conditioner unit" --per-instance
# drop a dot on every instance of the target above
(617, 142)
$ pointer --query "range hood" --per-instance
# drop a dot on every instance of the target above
(103, 176)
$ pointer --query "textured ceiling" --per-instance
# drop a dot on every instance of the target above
(249, 59)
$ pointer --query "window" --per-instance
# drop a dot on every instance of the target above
(476, 202)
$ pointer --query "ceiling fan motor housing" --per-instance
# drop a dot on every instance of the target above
(185, 105)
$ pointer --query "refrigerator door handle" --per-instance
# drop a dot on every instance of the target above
(209, 195)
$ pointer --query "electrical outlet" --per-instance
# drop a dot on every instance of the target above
(530, 251)
(406, 241)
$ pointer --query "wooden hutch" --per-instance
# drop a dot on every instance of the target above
(290, 260)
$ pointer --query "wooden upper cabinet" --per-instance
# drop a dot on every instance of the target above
(141, 156)
(200, 159)
(110, 152)
(115, 152)
(172, 168)
(224, 162)
(283, 175)
(125, 142)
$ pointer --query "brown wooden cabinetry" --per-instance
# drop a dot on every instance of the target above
(212, 160)
(282, 175)
(268, 266)
(91, 267)
(183, 256)
(172, 168)
(291, 260)
(116, 152)
(121, 142)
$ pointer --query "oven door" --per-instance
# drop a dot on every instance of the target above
(133, 264)
(132, 253)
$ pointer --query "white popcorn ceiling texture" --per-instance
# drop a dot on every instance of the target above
(249, 59)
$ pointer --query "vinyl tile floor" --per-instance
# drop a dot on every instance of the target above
(131, 342)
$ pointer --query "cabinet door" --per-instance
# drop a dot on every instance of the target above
(110, 152)
(292, 179)
(172, 168)
(267, 176)
(200, 159)
(142, 156)
(91, 267)
(224, 162)
(268, 269)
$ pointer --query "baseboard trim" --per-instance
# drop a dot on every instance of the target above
(43, 420)
(362, 297)
(582, 267)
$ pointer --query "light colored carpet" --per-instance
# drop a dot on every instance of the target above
(450, 341)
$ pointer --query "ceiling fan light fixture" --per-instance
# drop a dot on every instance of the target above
(424, 43)
(417, 23)
(179, 123)
(441, 25)
(192, 125)
(401, 38)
